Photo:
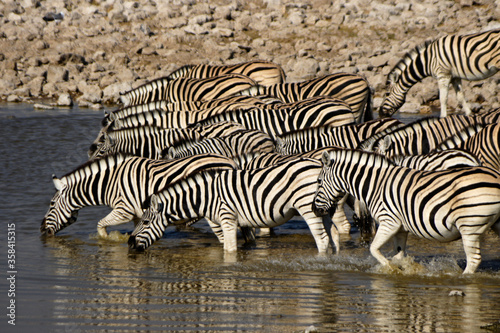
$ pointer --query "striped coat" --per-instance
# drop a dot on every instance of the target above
(436, 205)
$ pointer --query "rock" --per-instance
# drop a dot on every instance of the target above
(456, 293)
(65, 100)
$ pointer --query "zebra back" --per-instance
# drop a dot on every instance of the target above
(419, 137)
(262, 72)
(347, 136)
(482, 142)
(276, 122)
(238, 143)
(440, 160)
(351, 88)
(187, 89)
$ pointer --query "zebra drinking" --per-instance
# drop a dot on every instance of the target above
(260, 198)
(448, 59)
(436, 205)
(120, 182)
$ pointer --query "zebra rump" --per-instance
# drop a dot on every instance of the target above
(263, 72)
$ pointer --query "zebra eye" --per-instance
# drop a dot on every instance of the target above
(145, 222)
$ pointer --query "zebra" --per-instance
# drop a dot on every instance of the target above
(433, 161)
(187, 89)
(278, 121)
(347, 136)
(436, 205)
(228, 103)
(419, 137)
(144, 141)
(259, 198)
(448, 59)
(238, 143)
(484, 143)
(120, 182)
(262, 72)
(351, 88)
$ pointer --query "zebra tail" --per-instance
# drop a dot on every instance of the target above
(368, 113)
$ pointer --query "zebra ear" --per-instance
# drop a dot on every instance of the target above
(171, 153)
(387, 143)
(58, 184)
(156, 205)
(325, 158)
(109, 139)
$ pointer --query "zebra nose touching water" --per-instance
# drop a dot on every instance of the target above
(436, 205)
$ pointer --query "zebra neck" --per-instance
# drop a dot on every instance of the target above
(361, 174)
(411, 69)
(193, 197)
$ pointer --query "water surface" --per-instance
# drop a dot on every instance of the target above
(184, 282)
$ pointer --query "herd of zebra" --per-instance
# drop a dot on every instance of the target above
(240, 147)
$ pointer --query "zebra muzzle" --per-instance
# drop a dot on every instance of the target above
(132, 244)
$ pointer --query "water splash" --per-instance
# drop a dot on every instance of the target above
(114, 236)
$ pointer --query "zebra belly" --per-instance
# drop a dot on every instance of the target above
(264, 221)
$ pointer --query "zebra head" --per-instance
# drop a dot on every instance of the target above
(151, 226)
(105, 146)
(328, 194)
(62, 211)
(394, 96)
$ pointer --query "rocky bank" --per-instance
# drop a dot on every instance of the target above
(87, 52)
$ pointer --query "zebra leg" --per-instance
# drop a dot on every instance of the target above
(320, 231)
(116, 216)
(457, 86)
(472, 247)
(332, 232)
(386, 231)
(400, 244)
(216, 228)
(496, 228)
(444, 84)
(340, 219)
(248, 234)
(229, 224)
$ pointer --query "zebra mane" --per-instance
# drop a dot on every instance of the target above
(180, 71)
(405, 61)
(99, 163)
(355, 155)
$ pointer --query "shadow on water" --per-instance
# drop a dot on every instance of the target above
(185, 282)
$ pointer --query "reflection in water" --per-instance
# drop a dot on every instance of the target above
(187, 285)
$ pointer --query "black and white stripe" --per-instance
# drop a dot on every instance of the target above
(278, 121)
(144, 141)
(346, 136)
(260, 198)
(233, 145)
(419, 137)
(436, 205)
(483, 143)
(120, 182)
(448, 59)
(228, 103)
(263, 72)
(351, 88)
(187, 89)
